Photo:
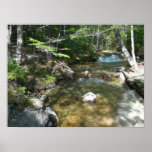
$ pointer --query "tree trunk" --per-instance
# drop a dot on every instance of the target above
(98, 36)
(123, 48)
(58, 39)
(92, 39)
(64, 30)
(133, 48)
(19, 44)
(9, 42)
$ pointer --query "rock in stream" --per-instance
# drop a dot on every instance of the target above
(34, 116)
(89, 97)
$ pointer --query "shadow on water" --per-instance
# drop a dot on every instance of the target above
(131, 110)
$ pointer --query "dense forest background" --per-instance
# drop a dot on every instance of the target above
(77, 40)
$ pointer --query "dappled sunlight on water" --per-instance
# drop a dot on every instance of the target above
(66, 99)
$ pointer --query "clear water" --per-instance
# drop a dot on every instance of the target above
(107, 111)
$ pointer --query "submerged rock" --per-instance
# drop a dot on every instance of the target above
(85, 74)
(32, 117)
(89, 97)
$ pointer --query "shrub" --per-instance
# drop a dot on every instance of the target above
(16, 72)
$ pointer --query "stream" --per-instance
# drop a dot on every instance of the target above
(116, 104)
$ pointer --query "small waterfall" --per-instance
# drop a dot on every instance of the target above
(112, 58)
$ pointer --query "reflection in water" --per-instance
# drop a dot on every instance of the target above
(66, 98)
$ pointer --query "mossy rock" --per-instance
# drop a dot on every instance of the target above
(43, 82)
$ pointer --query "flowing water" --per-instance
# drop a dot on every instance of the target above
(112, 58)
(116, 104)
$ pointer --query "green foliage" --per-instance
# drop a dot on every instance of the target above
(77, 41)
(17, 95)
(50, 79)
(42, 45)
(16, 72)
(80, 33)
(21, 90)
(39, 44)
(45, 76)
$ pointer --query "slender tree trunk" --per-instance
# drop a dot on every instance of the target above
(98, 36)
(19, 44)
(58, 38)
(133, 48)
(9, 43)
(92, 36)
(123, 48)
(64, 30)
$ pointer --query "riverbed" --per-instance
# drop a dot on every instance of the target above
(116, 105)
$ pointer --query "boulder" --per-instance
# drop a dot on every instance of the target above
(89, 97)
(120, 76)
(12, 84)
(85, 74)
(43, 97)
(32, 117)
(68, 73)
(62, 71)
(42, 84)
(36, 103)
(49, 86)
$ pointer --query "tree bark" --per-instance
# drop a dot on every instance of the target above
(19, 44)
(123, 48)
(58, 39)
(9, 42)
(133, 48)
(92, 39)
(98, 36)
(64, 30)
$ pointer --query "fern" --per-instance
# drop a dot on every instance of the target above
(42, 45)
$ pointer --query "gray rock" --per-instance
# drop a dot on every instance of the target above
(85, 74)
(49, 86)
(68, 73)
(37, 103)
(43, 97)
(89, 97)
(63, 71)
(32, 117)
(120, 76)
